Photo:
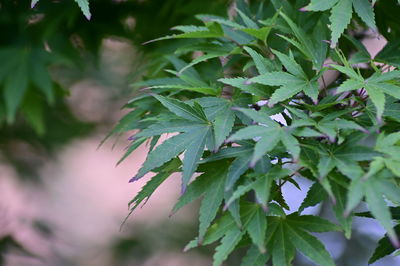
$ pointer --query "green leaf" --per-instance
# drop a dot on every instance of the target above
(132, 147)
(364, 9)
(320, 5)
(200, 59)
(262, 188)
(325, 165)
(283, 251)
(340, 17)
(311, 223)
(276, 79)
(181, 109)
(309, 246)
(350, 85)
(265, 145)
(84, 6)
(379, 208)
(291, 144)
(240, 191)
(14, 90)
(340, 195)
(212, 30)
(193, 154)
(169, 149)
(263, 65)
(384, 247)
(222, 226)
(260, 34)
(236, 169)
(148, 189)
(242, 84)
(223, 126)
(378, 99)
(154, 183)
(41, 78)
(253, 257)
(259, 117)
(315, 195)
(286, 92)
(33, 3)
(228, 244)
(291, 65)
(198, 187)
(210, 204)
(249, 132)
(257, 229)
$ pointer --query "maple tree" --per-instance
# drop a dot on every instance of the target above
(221, 90)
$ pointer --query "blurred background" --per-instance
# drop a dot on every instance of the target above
(63, 83)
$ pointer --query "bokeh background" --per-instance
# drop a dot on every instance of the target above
(62, 197)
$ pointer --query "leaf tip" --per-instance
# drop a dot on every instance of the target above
(303, 9)
(133, 179)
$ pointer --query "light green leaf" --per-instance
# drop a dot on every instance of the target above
(291, 144)
(210, 204)
(236, 169)
(350, 85)
(364, 9)
(249, 132)
(340, 17)
(213, 30)
(193, 154)
(260, 34)
(276, 79)
(198, 187)
(228, 244)
(263, 65)
(257, 229)
(181, 109)
(262, 188)
(240, 191)
(315, 195)
(242, 84)
(253, 257)
(285, 92)
(283, 251)
(200, 59)
(148, 189)
(340, 195)
(84, 6)
(169, 149)
(265, 145)
(259, 117)
(291, 65)
(312, 90)
(320, 5)
(325, 165)
(223, 126)
(33, 3)
(379, 208)
(378, 99)
(169, 127)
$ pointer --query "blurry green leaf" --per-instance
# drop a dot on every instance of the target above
(228, 244)
(84, 6)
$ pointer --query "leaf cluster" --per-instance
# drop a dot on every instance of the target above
(247, 100)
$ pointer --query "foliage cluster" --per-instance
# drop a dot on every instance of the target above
(45, 46)
(251, 111)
